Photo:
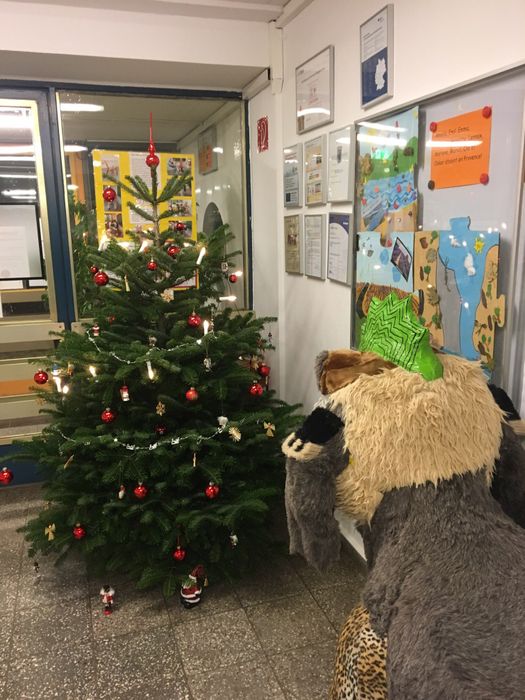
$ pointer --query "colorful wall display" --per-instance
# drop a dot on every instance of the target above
(116, 218)
(460, 149)
(386, 192)
(452, 276)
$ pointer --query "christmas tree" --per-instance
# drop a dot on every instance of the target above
(163, 451)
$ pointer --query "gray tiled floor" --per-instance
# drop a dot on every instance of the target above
(269, 637)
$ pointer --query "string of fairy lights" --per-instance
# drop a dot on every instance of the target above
(224, 426)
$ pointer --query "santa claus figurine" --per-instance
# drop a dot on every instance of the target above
(107, 594)
(191, 589)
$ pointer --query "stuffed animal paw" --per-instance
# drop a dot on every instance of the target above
(307, 442)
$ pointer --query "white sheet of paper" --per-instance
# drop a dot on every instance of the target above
(313, 245)
(14, 261)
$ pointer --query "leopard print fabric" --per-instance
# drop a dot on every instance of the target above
(360, 665)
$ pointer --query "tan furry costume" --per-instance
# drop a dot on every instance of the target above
(426, 430)
(422, 456)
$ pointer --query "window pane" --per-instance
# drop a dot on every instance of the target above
(23, 287)
(108, 134)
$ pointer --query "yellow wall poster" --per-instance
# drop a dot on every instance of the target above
(116, 218)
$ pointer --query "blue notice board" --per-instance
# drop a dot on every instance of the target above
(376, 38)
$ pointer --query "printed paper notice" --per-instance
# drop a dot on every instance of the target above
(338, 236)
(460, 150)
(292, 244)
(313, 245)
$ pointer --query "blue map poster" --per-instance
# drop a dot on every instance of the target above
(376, 52)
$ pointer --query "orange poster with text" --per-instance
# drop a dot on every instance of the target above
(460, 150)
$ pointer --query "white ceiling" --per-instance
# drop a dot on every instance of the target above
(126, 118)
(249, 10)
(94, 69)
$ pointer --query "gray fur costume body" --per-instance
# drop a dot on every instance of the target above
(445, 587)
(446, 566)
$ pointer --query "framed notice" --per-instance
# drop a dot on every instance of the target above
(293, 244)
(292, 175)
(20, 246)
(341, 159)
(314, 91)
(338, 247)
(314, 245)
(377, 57)
(315, 171)
(206, 144)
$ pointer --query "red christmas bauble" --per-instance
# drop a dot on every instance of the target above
(233, 278)
(6, 476)
(192, 394)
(109, 194)
(93, 269)
(78, 532)
(140, 491)
(100, 278)
(180, 226)
(108, 416)
(152, 265)
(212, 490)
(161, 429)
(173, 251)
(40, 377)
(256, 389)
(264, 370)
(152, 160)
(179, 554)
(194, 320)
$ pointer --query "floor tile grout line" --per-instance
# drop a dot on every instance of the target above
(15, 610)
(266, 656)
(92, 637)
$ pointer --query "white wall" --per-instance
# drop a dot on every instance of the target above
(137, 47)
(267, 252)
(436, 46)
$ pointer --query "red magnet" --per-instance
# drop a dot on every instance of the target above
(487, 112)
(433, 126)
(484, 178)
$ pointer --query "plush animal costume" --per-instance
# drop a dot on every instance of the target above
(408, 440)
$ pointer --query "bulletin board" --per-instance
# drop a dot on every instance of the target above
(464, 261)
(117, 216)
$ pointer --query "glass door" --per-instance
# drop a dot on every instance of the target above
(31, 251)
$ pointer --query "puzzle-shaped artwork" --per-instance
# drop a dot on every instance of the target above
(453, 276)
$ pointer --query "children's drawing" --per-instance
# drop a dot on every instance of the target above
(458, 285)
(452, 275)
(388, 152)
(386, 263)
